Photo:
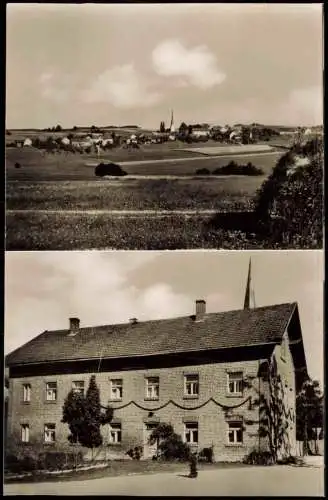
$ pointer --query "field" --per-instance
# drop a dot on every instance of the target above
(55, 202)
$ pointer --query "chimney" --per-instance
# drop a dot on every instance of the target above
(133, 321)
(200, 310)
(74, 326)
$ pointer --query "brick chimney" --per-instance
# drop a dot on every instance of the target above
(74, 326)
(200, 310)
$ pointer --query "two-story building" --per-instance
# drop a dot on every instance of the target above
(203, 373)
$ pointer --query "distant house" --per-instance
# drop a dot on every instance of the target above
(65, 141)
(201, 133)
(27, 142)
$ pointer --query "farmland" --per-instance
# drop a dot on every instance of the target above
(63, 184)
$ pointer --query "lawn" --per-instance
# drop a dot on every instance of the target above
(122, 468)
(226, 193)
(69, 231)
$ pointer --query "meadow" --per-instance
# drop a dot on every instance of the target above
(64, 183)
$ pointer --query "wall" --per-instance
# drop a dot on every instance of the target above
(211, 418)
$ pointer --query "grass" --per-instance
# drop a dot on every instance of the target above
(229, 193)
(122, 468)
(64, 231)
(61, 167)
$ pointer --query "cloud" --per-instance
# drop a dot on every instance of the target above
(56, 86)
(43, 291)
(123, 87)
(196, 66)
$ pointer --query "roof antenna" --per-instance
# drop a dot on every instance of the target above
(248, 287)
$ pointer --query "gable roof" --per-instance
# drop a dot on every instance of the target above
(231, 329)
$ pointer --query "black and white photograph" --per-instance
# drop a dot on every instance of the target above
(146, 126)
(164, 373)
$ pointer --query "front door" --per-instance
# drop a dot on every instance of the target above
(149, 449)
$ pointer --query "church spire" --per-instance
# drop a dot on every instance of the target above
(248, 287)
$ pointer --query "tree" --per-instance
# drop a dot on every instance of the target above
(85, 415)
(309, 413)
(189, 129)
(162, 127)
(169, 444)
(58, 128)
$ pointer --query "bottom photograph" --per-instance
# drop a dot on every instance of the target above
(133, 372)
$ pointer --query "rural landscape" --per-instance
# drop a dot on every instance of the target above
(197, 186)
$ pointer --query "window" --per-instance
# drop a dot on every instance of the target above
(235, 383)
(51, 391)
(152, 388)
(116, 388)
(78, 387)
(191, 385)
(235, 433)
(115, 433)
(191, 432)
(50, 433)
(25, 433)
(26, 393)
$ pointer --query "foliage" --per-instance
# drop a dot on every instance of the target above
(234, 168)
(84, 416)
(274, 416)
(59, 460)
(169, 444)
(206, 455)
(309, 412)
(290, 460)
(256, 457)
(162, 127)
(202, 171)
(135, 453)
(109, 169)
(289, 204)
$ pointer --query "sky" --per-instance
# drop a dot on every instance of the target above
(44, 289)
(130, 64)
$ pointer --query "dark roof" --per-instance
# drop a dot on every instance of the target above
(230, 329)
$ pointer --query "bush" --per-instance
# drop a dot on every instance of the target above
(203, 171)
(258, 458)
(206, 455)
(17, 165)
(234, 169)
(135, 453)
(19, 465)
(59, 460)
(109, 169)
(173, 448)
(291, 460)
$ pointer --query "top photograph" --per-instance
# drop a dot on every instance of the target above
(164, 126)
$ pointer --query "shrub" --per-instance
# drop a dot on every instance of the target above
(18, 465)
(203, 171)
(17, 165)
(234, 169)
(258, 458)
(59, 460)
(109, 169)
(135, 453)
(206, 455)
(170, 444)
(291, 460)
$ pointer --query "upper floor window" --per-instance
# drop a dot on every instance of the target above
(25, 433)
(50, 433)
(191, 432)
(191, 385)
(235, 383)
(115, 433)
(51, 391)
(78, 387)
(116, 388)
(235, 433)
(152, 387)
(26, 393)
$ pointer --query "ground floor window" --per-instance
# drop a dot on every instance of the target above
(50, 433)
(235, 432)
(191, 432)
(25, 433)
(115, 433)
